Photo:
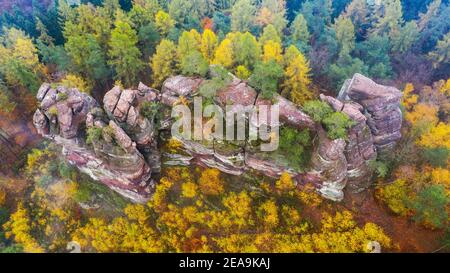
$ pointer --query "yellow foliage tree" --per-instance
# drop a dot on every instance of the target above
(272, 51)
(409, 99)
(19, 227)
(438, 136)
(209, 44)
(163, 62)
(422, 117)
(189, 189)
(188, 42)
(224, 54)
(269, 213)
(297, 79)
(210, 182)
(164, 22)
(2, 197)
(285, 183)
(394, 195)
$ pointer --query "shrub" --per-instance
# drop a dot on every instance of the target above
(242, 72)
(317, 109)
(381, 168)
(94, 134)
(149, 110)
(61, 96)
(295, 144)
(337, 124)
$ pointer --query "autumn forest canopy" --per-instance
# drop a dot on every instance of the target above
(293, 49)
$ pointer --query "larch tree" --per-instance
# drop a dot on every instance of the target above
(272, 51)
(189, 41)
(270, 33)
(273, 12)
(246, 49)
(345, 34)
(441, 54)
(432, 10)
(389, 17)
(208, 44)
(224, 54)
(164, 22)
(163, 62)
(123, 54)
(297, 77)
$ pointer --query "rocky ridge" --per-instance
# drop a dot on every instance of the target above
(125, 153)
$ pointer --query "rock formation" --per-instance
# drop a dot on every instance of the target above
(125, 153)
(114, 160)
(381, 107)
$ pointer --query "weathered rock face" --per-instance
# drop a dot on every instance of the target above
(360, 149)
(334, 164)
(116, 162)
(381, 108)
(329, 162)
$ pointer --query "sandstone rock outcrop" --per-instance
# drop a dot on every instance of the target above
(381, 107)
(359, 150)
(126, 152)
(62, 115)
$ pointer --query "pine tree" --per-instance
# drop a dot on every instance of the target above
(299, 31)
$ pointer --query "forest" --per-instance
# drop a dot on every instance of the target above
(294, 49)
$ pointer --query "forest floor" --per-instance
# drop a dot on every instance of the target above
(407, 236)
(410, 236)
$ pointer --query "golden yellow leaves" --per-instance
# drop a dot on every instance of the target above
(174, 145)
(394, 195)
(19, 226)
(224, 54)
(210, 182)
(438, 136)
(189, 189)
(285, 183)
(409, 99)
(2, 197)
